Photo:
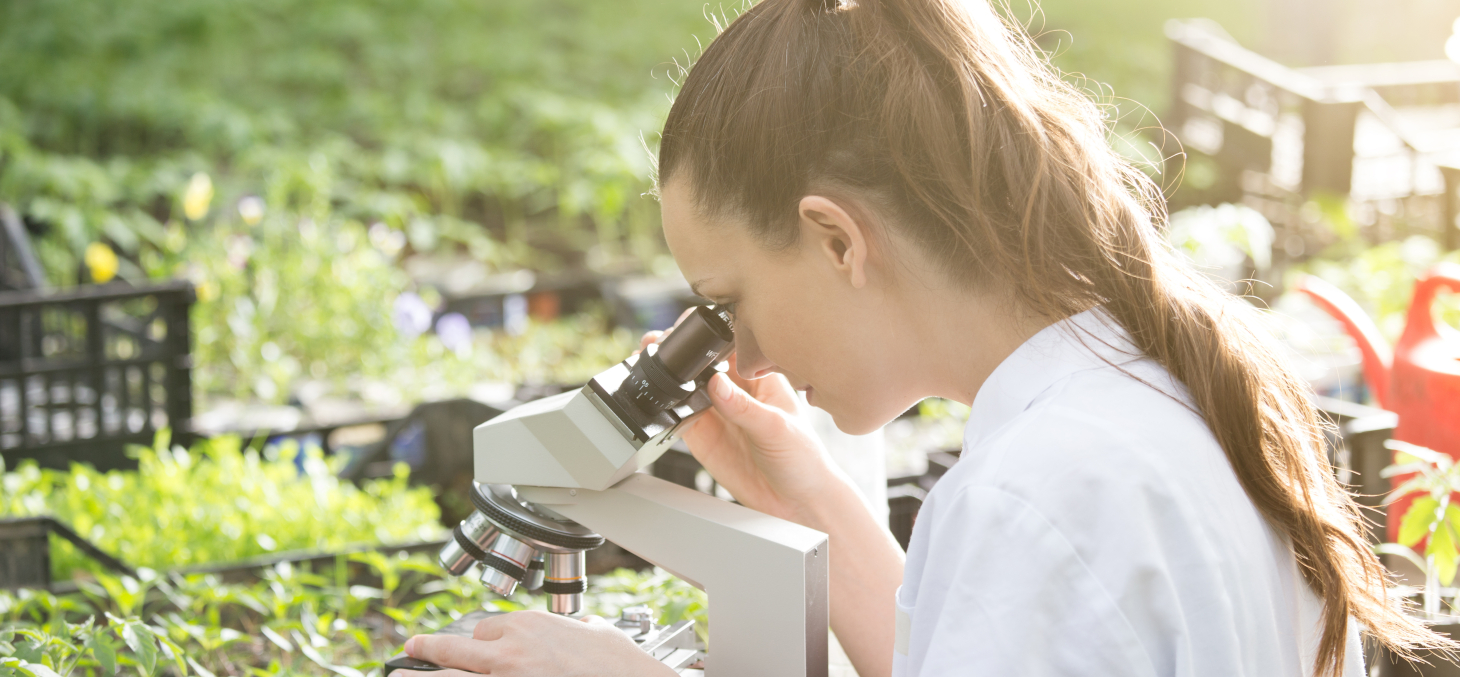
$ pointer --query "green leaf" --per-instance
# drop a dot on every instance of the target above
(28, 651)
(278, 639)
(104, 653)
(140, 640)
(398, 615)
(319, 659)
(1417, 520)
(1443, 549)
(173, 651)
(202, 671)
(37, 670)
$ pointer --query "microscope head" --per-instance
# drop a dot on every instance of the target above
(618, 423)
(590, 438)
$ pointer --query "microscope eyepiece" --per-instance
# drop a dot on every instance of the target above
(696, 343)
(664, 374)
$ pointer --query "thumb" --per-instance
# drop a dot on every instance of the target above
(767, 427)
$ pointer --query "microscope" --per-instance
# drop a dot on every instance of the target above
(558, 476)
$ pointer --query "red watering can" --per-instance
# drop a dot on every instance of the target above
(1420, 381)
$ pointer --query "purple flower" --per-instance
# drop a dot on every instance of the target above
(454, 330)
(412, 315)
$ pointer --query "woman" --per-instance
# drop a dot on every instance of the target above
(902, 200)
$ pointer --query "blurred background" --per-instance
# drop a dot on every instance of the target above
(336, 234)
(343, 182)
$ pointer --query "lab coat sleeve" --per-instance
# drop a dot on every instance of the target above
(1005, 594)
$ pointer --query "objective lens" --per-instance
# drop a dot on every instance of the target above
(565, 582)
(469, 542)
(505, 564)
(533, 581)
(663, 375)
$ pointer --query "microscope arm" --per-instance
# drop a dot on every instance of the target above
(766, 577)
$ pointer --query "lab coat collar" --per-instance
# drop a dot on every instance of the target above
(1089, 340)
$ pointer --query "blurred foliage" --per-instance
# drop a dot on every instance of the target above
(346, 621)
(1223, 238)
(671, 599)
(486, 111)
(1432, 479)
(291, 622)
(218, 502)
(493, 112)
(285, 155)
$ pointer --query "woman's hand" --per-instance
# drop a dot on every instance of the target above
(755, 444)
(536, 643)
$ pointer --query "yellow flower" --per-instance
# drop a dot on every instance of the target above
(198, 196)
(207, 291)
(101, 261)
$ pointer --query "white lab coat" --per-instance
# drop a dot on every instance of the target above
(1094, 527)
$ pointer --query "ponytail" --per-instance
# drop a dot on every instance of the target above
(944, 114)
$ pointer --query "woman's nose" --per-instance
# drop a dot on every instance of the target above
(749, 362)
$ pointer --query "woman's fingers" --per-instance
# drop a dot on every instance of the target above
(650, 337)
(450, 651)
(773, 389)
(763, 423)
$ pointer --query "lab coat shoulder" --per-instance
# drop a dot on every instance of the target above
(1014, 596)
(1079, 538)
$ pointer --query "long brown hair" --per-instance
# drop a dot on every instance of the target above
(946, 116)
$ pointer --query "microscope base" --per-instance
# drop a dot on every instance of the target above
(674, 645)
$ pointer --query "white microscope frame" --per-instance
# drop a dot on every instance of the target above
(766, 577)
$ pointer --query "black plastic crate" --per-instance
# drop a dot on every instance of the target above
(25, 551)
(87, 371)
(19, 268)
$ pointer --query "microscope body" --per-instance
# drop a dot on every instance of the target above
(557, 476)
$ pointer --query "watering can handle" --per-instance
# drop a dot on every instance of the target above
(1356, 323)
(1420, 325)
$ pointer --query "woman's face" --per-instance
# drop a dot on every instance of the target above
(823, 312)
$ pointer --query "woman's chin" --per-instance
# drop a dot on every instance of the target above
(851, 423)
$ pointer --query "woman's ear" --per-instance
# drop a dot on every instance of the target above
(833, 232)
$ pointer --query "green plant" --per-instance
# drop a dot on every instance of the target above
(218, 502)
(671, 599)
(284, 156)
(1431, 517)
(343, 621)
(292, 621)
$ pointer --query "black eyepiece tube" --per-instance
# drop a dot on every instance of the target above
(664, 374)
(696, 343)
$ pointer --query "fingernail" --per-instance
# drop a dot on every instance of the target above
(721, 387)
(411, 646)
